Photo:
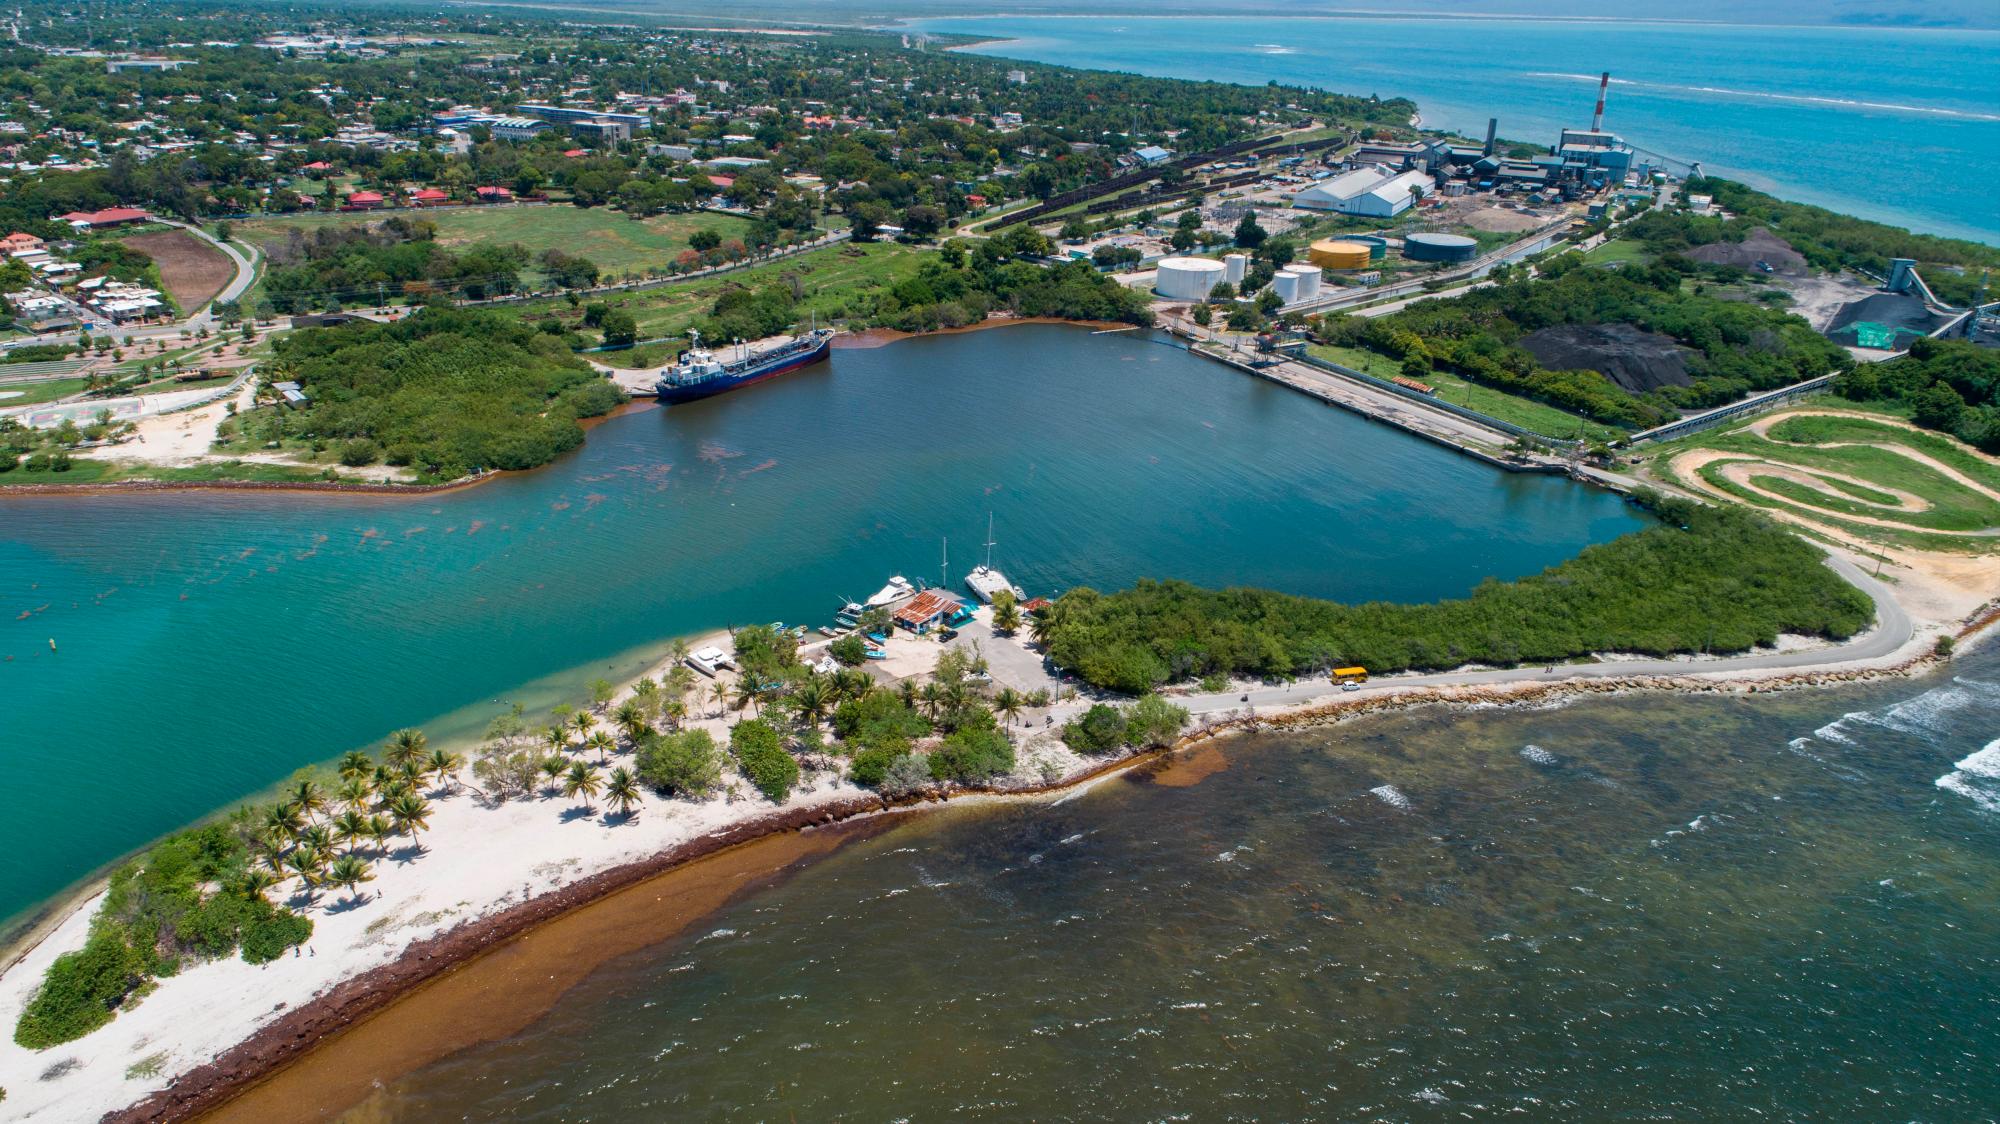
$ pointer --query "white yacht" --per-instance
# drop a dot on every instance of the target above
(898, 589)
(984, 581)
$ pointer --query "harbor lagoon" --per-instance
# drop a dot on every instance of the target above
(197, 648)
(1898, 125)
(1649, 906)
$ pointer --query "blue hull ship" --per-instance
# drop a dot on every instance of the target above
(699, 374)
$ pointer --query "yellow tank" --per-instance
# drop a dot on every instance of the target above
(1339, 255)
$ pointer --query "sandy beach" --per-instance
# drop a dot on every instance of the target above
(487, 873)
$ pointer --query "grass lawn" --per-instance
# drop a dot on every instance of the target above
(1617, 250)
(1524, 412)
(829, 280)
(32, 393)
(614, 240)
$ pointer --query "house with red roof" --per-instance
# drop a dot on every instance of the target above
(573, 153)
(492, 194)
(18, 241)
(429, 197)
(317, 166)
(105, 219)
(365, 200)
(723, 183)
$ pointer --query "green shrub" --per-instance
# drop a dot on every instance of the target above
(761, 755)
(850, 650)
(360, 451)
(269, 931)
(80, 992)
(1100, 729)
(971, 754)
(685, 763)
(1153, 721)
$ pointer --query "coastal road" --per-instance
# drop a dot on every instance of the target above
(1893, 630)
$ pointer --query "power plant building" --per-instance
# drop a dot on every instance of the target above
(1188, 279)
(1373, 192)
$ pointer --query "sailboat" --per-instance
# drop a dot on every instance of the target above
(984, 581)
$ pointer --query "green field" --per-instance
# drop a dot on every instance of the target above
(1617, 250)
(1860, 476)
(829, 282)
(33, 393)
(1512, 408)
(617, 242)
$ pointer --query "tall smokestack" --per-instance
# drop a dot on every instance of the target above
(1603, 87)
(1492, 130)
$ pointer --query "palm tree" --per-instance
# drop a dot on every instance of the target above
(580, 723)
(349, 827)
(355, 793)
(1006, 618)
(306, 863)
(552, 767)
(316, 837)
(349, 872)
(1009, 703)
(308, 796)
(406, 745)
(718, 692)
(557, 737)
(675, 711)
(582, 780)
(623, 791)
(410, 813)
(282, 822)
(356, 764)
(253, 882)
(813, 699)
(932, 696)
(444, 765)
(602, 743)
(379, 831)
(631, 721)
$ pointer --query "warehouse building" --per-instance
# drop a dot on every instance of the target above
(1374, 192)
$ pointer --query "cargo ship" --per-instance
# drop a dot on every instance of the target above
(699, 374)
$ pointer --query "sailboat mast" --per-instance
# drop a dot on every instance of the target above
(944, 562)
(989, 540)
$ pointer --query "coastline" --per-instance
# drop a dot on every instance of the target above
(866, 338)
(293, 1037)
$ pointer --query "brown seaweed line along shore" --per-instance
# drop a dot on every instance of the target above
(266, 1053)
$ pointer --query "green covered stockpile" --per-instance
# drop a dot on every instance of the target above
(1711, 579)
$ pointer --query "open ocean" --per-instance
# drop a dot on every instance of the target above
(1639, 908)
(1897, 125)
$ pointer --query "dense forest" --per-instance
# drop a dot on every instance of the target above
(446, 391)
(1713, 579)
(1736, 347)
(1949, 385)
(1827, 239)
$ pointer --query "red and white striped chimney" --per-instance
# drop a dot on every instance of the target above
(1603, 87)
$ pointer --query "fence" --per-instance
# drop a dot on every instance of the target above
(1722, 414)
(1432, 401)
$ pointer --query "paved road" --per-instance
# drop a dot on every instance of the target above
(1893, 629)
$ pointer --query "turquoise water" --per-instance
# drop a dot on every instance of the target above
(1647, 908)
(1901, 126)
(209, 644)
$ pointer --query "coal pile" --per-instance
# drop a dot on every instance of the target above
(1635, 359)
(1884, 320)
(1760, 246)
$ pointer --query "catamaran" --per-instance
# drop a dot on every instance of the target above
(699, 374)
(984, 581)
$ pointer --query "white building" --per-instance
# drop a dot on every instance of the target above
(1372, 191)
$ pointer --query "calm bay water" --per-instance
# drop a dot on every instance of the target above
(1898, 125)
(211, 644)
(1636, 908)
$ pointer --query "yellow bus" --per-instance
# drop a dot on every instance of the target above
(1350, 675)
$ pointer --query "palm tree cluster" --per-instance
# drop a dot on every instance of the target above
(575, 749)
(317, 834)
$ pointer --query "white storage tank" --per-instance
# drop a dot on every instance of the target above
(1234, 267)
(1188, 279)
(1309, 278)
(1286, 285)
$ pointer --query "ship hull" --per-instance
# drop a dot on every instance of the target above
(724, 383)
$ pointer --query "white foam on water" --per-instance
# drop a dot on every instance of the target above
(1974, 778)
(1928, 712)
(1391, 795)
(1537, 754)
(718, 934)
(1226, 857)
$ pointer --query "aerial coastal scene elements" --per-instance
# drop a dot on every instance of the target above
(804, 562)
